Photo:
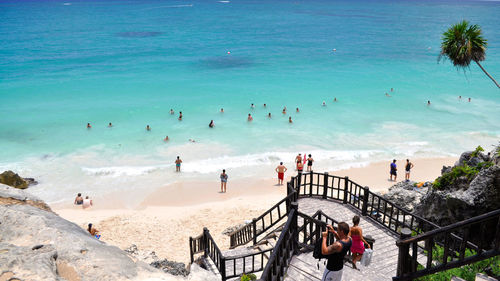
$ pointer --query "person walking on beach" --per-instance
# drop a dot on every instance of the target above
(250, 118)
(78, 199)
(394, 170)
(358, 242)
(300, 168)
(298, 159)
(281, 173)
(223, 181)
(178, 162)
(310, 161)
(87, 202)
(408, 167)
(335, 252)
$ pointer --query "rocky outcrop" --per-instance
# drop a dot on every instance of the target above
(37, 244)
(464, 194)
(406, 194)
(12, 179)
(13, 196)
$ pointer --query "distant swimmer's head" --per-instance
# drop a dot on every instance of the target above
(110, 125)
(148, 128)
(88, 125)
(222, 110)
(334, 99)
(269, 115)
(428, 102)
(297, 109)
(249, 115)
(324, 103)
(290, 119)
(265, 105)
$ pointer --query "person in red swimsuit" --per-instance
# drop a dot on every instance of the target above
(358, 242)
(281, 173)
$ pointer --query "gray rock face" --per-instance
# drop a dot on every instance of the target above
(172, 267)
(13, 196)
(406, 195)
(12, 179)
(464, 200)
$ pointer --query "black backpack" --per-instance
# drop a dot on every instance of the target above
(317, 251)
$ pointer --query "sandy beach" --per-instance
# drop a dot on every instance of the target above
(164, 220)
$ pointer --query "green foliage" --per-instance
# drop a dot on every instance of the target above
(248, 277)
(476, 152)
(463, 43)
(449, 178)
(467, 272)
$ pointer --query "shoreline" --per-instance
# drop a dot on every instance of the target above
(162, 222)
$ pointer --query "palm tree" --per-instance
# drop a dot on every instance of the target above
(463, 43)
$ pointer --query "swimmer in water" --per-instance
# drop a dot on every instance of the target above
(324, 103)
(89, 126)
(252, 106)
(284, 110)
(297, 110)
(172, 111)
(110, 125)
(180, 115)
(290, 119)
(265, 105)
(392, 89)
(211, 125)
(269, 115)
(334, 99)
(166, 138)
(192, 140)
(459, 97)
(428, 102)
(469, 99)
(148, 128)
(222, 110)
(387, 95)
(250, 118)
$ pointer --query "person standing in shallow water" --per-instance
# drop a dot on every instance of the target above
(358, 242)
(223, 181)
(281, 169)
(178, 162)
(408, 167)
(310, 161)
(335, 252)
(394, 170)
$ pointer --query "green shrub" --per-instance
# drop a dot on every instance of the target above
(248, 277)
(467, 272)
(449, 178)
(475, 153)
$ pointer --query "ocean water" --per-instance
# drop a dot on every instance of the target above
(63, 64)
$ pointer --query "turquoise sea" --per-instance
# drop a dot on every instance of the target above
(63, 64)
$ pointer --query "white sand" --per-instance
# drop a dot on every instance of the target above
(168, 216)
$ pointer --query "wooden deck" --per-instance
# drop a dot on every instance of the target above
(385, 255)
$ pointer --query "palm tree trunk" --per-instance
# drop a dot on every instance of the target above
(496, 83)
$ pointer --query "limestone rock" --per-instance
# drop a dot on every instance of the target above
(12, 179)
(144, 256)
(172, 267)
(13, 196)
(406, 195)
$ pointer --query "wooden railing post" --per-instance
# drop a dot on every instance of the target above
(191, 254)
(403, 256)
(346, 187)
(311, 177)
(366, 192)
(223, 268)
(295, 228)
(299, 183)
(205, 241)
(254, 227)
(325, 185)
